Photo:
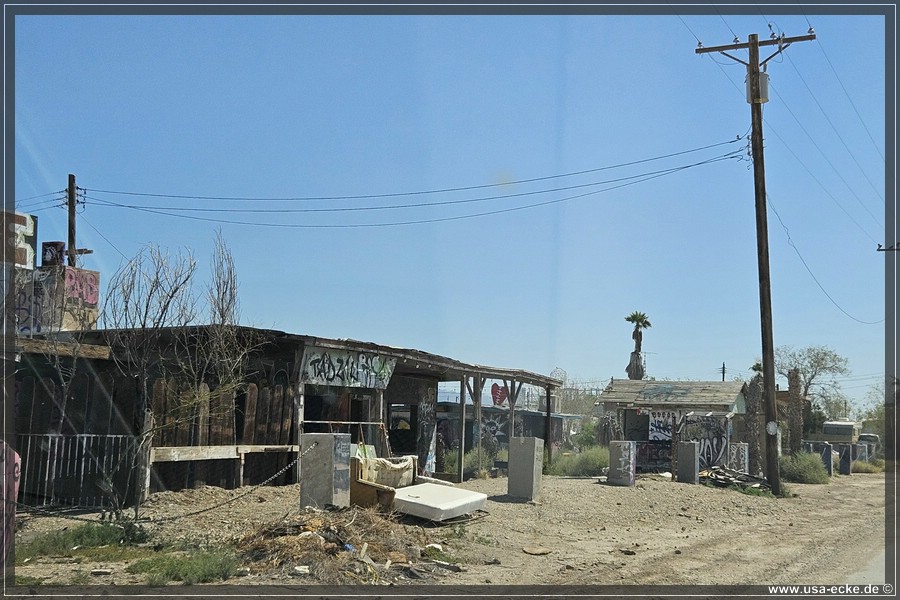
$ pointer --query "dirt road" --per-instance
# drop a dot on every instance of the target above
(660, 532)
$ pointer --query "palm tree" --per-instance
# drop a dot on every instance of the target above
(635, 368)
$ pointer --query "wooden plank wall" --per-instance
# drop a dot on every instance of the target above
(267, 420)
(102, 404)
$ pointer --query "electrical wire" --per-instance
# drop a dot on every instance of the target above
(43, 204)
(730, 156)
(830, 164)
(418, 192)
(828, 193)
(100, 233)
(736, 39)
(773, 131)
(402, 206)
(846, 93)
(39, 196)
(808, 270)
(836, 132)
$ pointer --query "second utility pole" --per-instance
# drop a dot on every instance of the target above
(72, 197)
(756, 99)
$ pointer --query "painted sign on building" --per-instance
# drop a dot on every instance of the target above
(22, 235)
(499, 394)
(56, 298)
(345, 368)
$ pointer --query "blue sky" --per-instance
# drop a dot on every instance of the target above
(299, 107)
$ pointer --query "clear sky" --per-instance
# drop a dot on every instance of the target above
(317, 120)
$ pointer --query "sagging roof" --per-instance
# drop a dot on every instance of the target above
(672, 393)
(410, 362)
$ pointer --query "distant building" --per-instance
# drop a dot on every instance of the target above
(649, 411)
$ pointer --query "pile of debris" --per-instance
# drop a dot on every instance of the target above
(724, 477)
(343, 546)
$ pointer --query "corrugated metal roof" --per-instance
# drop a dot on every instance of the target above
(648, 393)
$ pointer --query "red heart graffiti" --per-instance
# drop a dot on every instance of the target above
(499, 394)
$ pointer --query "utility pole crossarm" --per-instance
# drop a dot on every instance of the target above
(783, 41)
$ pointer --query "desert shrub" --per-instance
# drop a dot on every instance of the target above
(471, 464)
(861, 466)
(804, 467)
(587, 437)
(201, 567)
(589, 463)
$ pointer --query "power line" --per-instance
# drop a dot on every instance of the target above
(830, 164)
(418, 192)
(821, 185)
(403, 206)
(773, 131)
(100, 233)
(39, 196)
(808, 270)
(730, 156)
(846, 93)
(836, 132)
(44, 205)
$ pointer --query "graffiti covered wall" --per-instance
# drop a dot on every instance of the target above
(712, 433)
(344, 368)
(421, 394)
(56, 298)
(661, 422)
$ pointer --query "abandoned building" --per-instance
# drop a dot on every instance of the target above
(651, 413)
(94, 430)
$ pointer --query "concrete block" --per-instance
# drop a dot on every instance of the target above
(846, 452)
(688, 462)
(526, 465)
(827, 458)
(325, 470)
(622, 463)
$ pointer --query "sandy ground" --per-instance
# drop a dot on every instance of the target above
(584, 533)
(660, 533)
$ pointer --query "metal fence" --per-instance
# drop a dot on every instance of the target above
(79, 470)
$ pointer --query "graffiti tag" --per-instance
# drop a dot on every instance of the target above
(348, 369)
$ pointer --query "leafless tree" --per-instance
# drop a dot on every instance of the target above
(146, 298)
(151, 294)
(216, 356)
(156, 330)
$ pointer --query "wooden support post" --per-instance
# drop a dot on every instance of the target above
(476, 400)
(376, 413)
(298, 430)
(240, 482)
(462, 427)
(144, 464)
(548, 428)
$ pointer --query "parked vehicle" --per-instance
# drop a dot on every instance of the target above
(838, 432)
(873, 440)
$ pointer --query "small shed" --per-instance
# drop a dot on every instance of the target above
(647, 411)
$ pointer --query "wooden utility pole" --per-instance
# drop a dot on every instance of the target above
(72, 201)
(756, 99)
(72, 195)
